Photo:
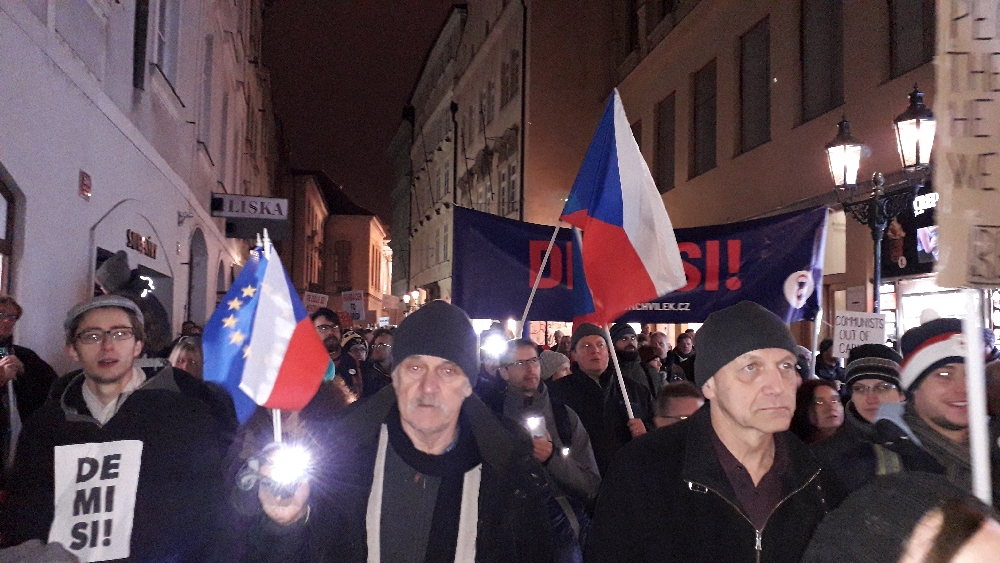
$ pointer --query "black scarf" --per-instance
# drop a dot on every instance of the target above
(451, 467)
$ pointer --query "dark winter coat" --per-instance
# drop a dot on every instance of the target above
(31, 387)
(186, 428)
(601, 408)
(513, 524)
(666, 498)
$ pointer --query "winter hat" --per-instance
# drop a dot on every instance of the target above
(114, 272)
(731, 332)
(584, 330)
(929, 346)
(873, 524)
(551, 362)
(438, 329)
(989, 337)
(350, 339)
(99, 302)
(619, 330)
(873, 361)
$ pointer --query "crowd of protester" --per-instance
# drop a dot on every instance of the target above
(727, 446)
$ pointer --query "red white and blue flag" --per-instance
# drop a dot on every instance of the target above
(628, 250)
(260, 344)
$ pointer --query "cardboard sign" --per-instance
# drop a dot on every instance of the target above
(383, 321)
(852, 329)
(95, 486)
(967, 143)
(315, 301)
(354, 304)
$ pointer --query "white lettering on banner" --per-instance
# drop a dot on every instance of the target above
(95, 486)
(660, 307)
(967, 142)
(852, 329)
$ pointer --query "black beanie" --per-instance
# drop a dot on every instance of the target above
(438, 329)
(873, 361)
(731, 332)
(619, 330)
(586, 329)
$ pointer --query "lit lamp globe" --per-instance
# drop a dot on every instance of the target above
(406, 298)
(844, 154)
(915, 132)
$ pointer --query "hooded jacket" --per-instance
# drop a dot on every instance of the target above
(666, 498)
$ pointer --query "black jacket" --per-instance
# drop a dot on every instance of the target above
(666, 498)
(186, 429)
(31, 387)
(601, 408)
(513, 524)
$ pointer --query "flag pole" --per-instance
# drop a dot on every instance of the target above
(538, 278)
(276, 423)
(975, 384)
(618, 372)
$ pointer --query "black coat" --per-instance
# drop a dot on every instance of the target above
(666, 498)
(31, 387)
(186, 429)
(513, 523)
(601, 408)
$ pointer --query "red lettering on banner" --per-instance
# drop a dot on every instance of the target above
(690, 270)
(536, 250)
(733, 282)
(711, 265)
(711, 271)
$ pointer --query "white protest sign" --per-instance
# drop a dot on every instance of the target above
(383, 321)
(852, 329)
(354, 304)
(967, 142)
(95, 486)
(314, 301)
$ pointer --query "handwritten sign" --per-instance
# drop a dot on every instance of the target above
(852, 329)
(967, 169)
(95, 486)
(315, 301)
(354, 304)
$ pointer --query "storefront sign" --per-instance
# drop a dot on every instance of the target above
(967, 143)
(775, 261)
(354, 304)
(141, 244)
(314, 301)
(248, 207)
(852, 329)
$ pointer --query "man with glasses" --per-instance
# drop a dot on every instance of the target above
(327, 324)
(376, 372)
(31, 378)
(559, 440)
(675, 402)
(183, 430)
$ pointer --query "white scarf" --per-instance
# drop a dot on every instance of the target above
(465, 547)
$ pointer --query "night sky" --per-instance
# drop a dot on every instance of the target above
(341, 71)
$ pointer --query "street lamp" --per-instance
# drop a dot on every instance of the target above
(879, 206)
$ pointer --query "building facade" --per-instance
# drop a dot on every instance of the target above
(504, 109)
(734, 102)
(117, 122)
(302, 254)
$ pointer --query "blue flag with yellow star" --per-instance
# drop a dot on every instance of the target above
(260, 344)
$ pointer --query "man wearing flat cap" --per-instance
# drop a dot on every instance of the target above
(729, 483)
(421, 471)
(167, 433)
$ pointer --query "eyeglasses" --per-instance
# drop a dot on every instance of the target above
(326, 328)
(6, 317)
(878, 388)
(822, 402)
(97, 336)
(524, 363)
(381, 345)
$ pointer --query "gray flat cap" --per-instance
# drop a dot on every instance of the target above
(103, 301)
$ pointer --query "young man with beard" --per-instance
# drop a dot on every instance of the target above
(183, 426)
(627, 349)
(327, 324)
(729, 484)
(422, 471)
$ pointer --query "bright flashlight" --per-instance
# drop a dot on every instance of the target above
(535, 426)
(290, 464)
(494, 345)
(565, 452)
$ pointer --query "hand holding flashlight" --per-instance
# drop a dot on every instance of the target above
(284, 482)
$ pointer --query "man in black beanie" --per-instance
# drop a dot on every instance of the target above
(626, 345)
(702, 490)
(421, 471)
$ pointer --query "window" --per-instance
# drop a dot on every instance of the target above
(702, 121)
(446, 242)
(447, 178)
(139, 36)
(490, 102)
(631, 41)
(502, 209)
(513, 196)
(205, 120)
(504, 84)
(665, 148)
(515, 75)
(167, 27)
(755, 87)
(822, 57)
(911, 35)
(224, 137)
(656, 10)
(437, 246)
(342, 265)
(637, 133)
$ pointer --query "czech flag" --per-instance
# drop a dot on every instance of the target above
(260, 344)
(628, 251)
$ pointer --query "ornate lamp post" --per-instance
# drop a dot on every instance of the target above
(877, 207)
